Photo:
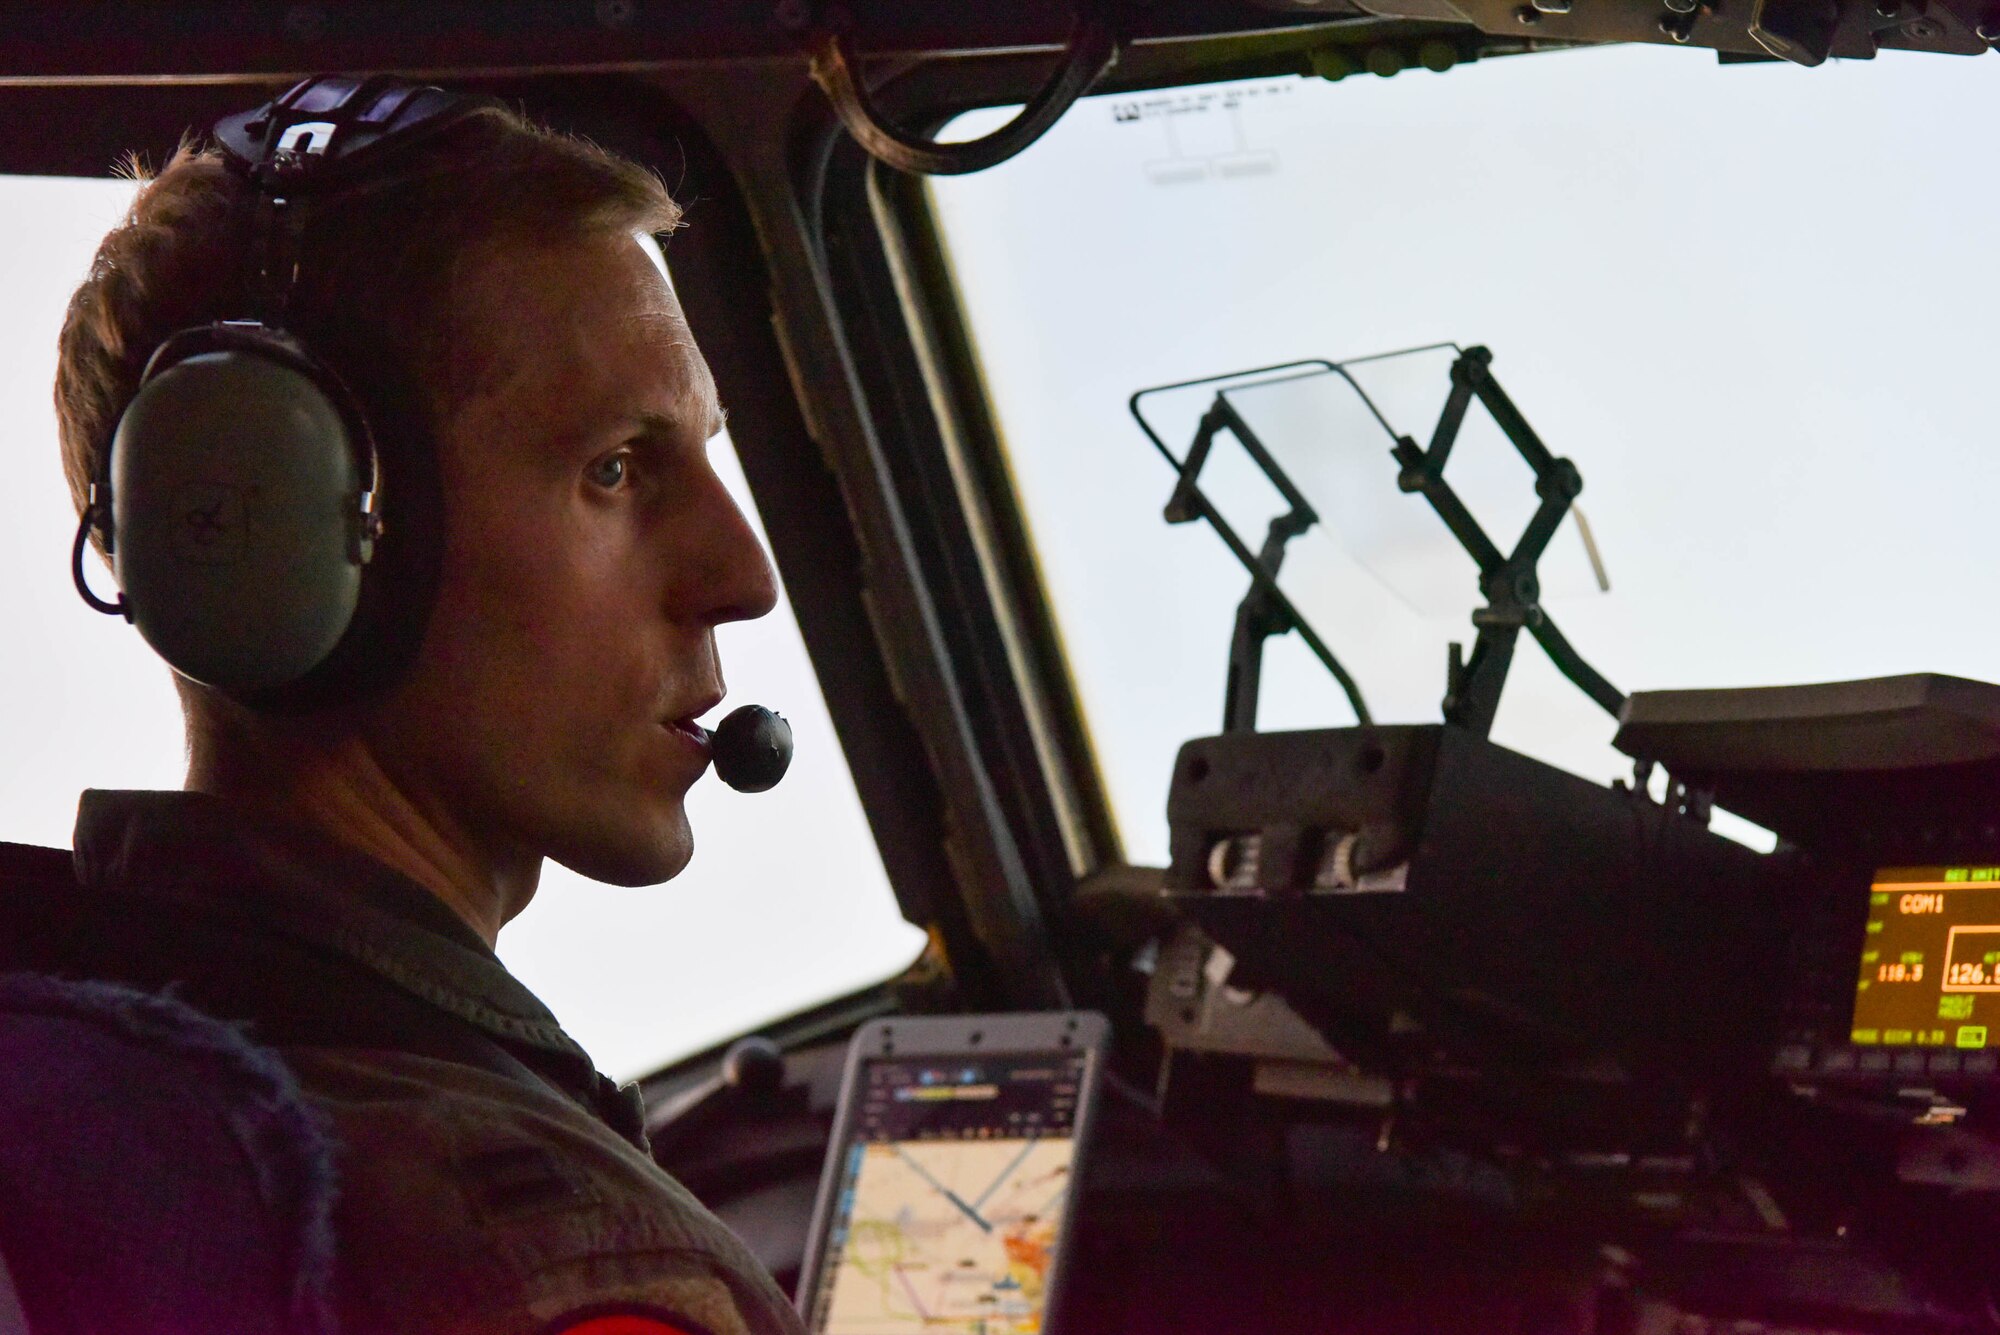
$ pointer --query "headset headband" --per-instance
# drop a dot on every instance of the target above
(325, 131)
(321, 138)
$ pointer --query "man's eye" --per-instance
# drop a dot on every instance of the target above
(611, 471)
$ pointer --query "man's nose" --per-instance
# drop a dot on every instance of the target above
(741, 585)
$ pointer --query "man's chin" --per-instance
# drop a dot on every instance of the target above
(630, 856)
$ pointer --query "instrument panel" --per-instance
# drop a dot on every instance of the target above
(1898, 976)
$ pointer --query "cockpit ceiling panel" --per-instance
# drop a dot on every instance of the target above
(123, 41)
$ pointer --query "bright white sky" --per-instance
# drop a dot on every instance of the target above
(785, 905)
(1752, 303)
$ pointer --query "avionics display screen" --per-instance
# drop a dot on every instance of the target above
(1930, 962)
(952, 1196)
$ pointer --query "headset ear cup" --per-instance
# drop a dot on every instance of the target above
(236, 494)
(399, 586)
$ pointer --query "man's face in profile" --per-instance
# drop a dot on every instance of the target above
(591, 552)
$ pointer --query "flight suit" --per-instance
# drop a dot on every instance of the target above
(489, 1179)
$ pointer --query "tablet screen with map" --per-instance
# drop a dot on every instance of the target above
(949, 1193)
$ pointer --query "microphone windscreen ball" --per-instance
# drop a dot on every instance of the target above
(752, 747)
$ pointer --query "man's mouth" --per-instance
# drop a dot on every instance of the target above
(685, 726)
(688, 728)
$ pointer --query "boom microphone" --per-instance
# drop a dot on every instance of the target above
(752, 748)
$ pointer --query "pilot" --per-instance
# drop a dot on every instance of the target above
(533, 643)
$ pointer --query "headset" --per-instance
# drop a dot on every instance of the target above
(239, 495)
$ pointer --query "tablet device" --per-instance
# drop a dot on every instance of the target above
(946, 1201)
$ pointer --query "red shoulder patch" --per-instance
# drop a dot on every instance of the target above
(623, 1324)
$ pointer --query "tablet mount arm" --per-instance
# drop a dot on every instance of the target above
(1508, 580)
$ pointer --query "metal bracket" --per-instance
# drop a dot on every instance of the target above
(1265, 610)
(1508, 581)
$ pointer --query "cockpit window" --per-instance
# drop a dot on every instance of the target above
(758, 926)
(1747, 301)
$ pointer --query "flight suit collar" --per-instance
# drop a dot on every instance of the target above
(207, 853)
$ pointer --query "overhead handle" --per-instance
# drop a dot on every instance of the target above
(1091, 51)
